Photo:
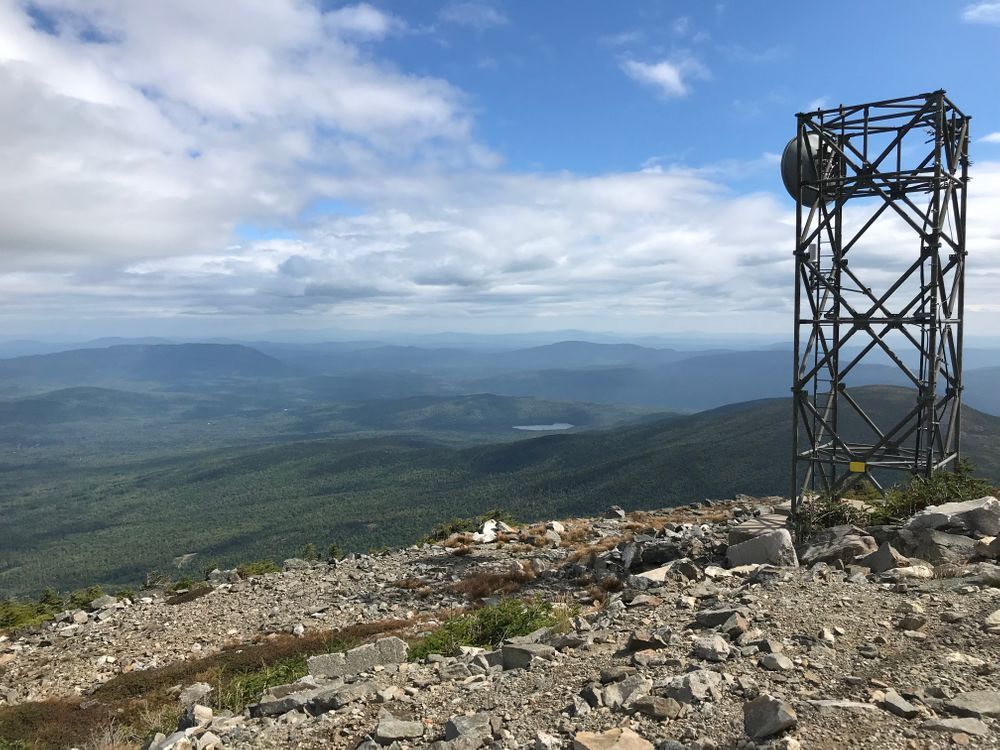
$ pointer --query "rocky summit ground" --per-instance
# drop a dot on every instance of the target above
(664, 636)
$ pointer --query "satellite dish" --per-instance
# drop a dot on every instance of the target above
(795, 172)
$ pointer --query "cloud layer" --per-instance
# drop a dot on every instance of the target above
(204, 159)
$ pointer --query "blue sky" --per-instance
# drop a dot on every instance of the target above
(198, 168)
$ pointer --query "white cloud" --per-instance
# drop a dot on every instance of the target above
(479, 15)
(671, 77)
(982, 13)
(364, 21)
(991, 138)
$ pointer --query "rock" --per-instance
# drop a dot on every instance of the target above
(486, 534)
(980, 516)
(556, 527)
(712, 648)
(656, 707)
(621, 694)
(766, 716)
(643, 640)
(776, 663)
(770, 548)
(615, 512)
(477, 726)
(966, 726)
(992, 622)
(522, 655)
(390, 729)
(364, 658)
(621, 738)
(546, 741)
(838, 543)
(194, 693)
(699, 685)
(552, 537)
(936, 547)
(756, 526)
(884, 558)
(616, 673)
(894, 703)
(912, 572)
(976, 703)
(103, 602)
(713, 618)
(842, 705)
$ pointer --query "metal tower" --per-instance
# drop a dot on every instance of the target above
(880, 274)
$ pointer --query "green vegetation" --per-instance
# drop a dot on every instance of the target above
(73, 526)
(487, 627)
(244, 688)
(257, 568)
(899, 502)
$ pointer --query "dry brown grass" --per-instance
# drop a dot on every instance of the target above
(596, 593)
(587, 550)
(462, 551)
(482, 585)
(611, 583)
(458, 539)
(145, 697)
(409, 583)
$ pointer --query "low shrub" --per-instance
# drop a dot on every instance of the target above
(257, 568)
(486, 627)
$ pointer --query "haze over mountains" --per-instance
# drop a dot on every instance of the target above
(116, 458)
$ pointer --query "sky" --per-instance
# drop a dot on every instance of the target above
(233, 167)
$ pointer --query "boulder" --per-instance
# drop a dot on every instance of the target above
(766, 716)
(711, 648)
(754, 527)
(522, 655)
(699, 685)
(364, 658)
(838, 543)
(976, 703)
(965, 726)
(770, 548)
(936, 547)
(621, 738)
(487, 534)
(478, 726)
(194, 693)
(980, 516)
(391, 729)
(622, 694)
(894, 703)
(884, 558)
(657, 707)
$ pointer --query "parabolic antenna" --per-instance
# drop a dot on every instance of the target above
(796, 172)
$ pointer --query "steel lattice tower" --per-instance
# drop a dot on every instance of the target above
(900, 167)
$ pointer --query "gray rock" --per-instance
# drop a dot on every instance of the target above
(390, 729)
(621, 694)
(936, 547)
(194, 693)
(976, 703)
(478, 726)
(838, 543)
(713, 618)
(615, 512)
(712, 648)
(657, 707)
(384, 651)
(967, 726)
(828, 704)
(894, 703)
(770, 548)
(756, 526)
(699, 685)
(980, 516)
(642, 639)
(884, 558)
(766, 716)
(103, 602)
(776, 663)
(521, 655)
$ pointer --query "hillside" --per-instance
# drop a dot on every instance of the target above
(72, 526)
(165, 364)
